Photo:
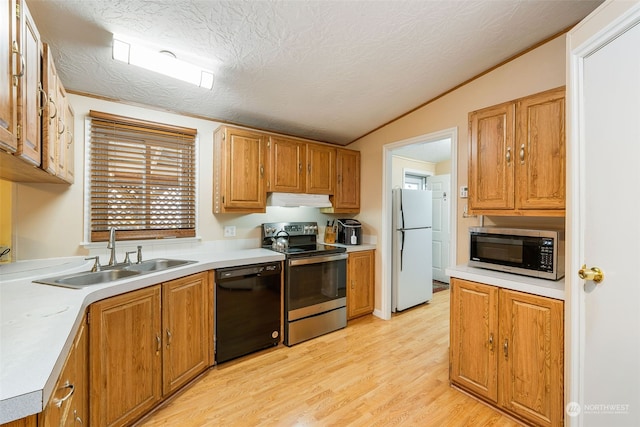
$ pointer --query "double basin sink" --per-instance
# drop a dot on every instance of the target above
(111, 274)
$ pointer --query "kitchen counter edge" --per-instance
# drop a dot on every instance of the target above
(531, 285)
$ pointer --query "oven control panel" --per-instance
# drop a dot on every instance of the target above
(291, 228)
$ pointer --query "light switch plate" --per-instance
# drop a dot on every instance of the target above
(464, 192)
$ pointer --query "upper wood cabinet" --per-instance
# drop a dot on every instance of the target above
(287, 165)
(321, 161)
(9, 69)
(347, 195)
(239, 171)
(517, 157)
(360, 283)
(28, 87)
(507, 347)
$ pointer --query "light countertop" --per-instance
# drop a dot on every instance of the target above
(531, 285)
(38, 322)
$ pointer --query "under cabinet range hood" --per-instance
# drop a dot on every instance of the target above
(298, 200)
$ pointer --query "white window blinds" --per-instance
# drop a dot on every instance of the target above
(142, 179)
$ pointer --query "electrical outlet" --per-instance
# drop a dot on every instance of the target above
(230, 231)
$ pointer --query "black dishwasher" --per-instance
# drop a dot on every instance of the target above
(248, 309)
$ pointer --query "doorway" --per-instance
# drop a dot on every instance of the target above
(419, 148)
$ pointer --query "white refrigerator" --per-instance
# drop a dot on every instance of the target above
(412, 281)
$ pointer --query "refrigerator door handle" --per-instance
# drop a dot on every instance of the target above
(401, 248)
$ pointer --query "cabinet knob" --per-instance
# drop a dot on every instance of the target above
(522, 154)
(508, 156)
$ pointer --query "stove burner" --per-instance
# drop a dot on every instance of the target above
(303, 237)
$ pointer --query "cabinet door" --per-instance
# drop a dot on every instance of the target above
(125, 366)
(186, 319)
(80, 408)
(540, 146)
(347, 193)
(321, 161)
(50, 112)
(531, 360)
(239, 171)
(9, 66)
(491, 158)
(29, 89)
(68, 143)
(474, 337)
(61, 123)
(287, 165)
(59, 411)
(30, 421)
(360, 279)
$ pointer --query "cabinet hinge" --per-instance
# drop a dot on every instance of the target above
(18, 10)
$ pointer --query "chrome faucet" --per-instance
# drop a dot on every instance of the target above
(112, 245)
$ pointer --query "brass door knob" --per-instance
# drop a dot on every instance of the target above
(593, 273)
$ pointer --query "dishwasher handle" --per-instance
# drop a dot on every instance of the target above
(256, 270)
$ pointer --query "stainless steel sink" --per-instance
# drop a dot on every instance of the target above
(157, 264)
(80, 280)
(111, 274)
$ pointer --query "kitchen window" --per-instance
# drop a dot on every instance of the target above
(142, 178)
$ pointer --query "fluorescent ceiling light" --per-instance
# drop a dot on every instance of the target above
(163, 63)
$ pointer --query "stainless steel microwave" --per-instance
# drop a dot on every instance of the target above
(536, 253)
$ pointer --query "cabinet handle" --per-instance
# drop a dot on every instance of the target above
(299, 168)
(61, 126)
(309, 167)
(168, 338)
(14, 51)
(522, 154)
(59, 402)
(339, 179)
(69, 138)
(508, 156)
(55, 109)
(158, 343)
(490, 342)
(261, 171)
(505, 347)
(44, 99)
(352, 285)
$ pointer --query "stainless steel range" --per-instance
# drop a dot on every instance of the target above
(315, 280)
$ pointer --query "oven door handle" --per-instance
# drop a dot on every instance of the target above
(317, 259)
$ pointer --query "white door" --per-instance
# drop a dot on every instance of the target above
(604, 219)
(440, 186)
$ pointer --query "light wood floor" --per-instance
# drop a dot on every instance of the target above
(372, 373)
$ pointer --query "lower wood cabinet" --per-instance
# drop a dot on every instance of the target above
(146, 344)
(30, 421)
(507, 348)
(69, 403)
(360, 283)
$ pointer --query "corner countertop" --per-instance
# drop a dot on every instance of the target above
(353, 248)
(531, 285)
(38, 322)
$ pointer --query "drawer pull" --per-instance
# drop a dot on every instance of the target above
(59, 402)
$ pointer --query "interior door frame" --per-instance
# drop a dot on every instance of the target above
(387, 206)
(603, 25)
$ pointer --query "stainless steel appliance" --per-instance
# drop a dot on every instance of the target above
(412, 262)
(248, 309)
(315, 277)
(536, 253)
(349, 232)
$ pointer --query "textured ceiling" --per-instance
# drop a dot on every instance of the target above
(326, 70)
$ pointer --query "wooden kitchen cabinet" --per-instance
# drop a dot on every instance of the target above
(517, 157)
(146, 344)
(50, 140)
(26, 87)
(239, 172)
(69, 403)
(507, 348)
(9, 68)
(188, 327)
(65, 169)
(125, 356)
(360, 283)
(30, 421)
(321, 161)
(346, 198)
(287, 165)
